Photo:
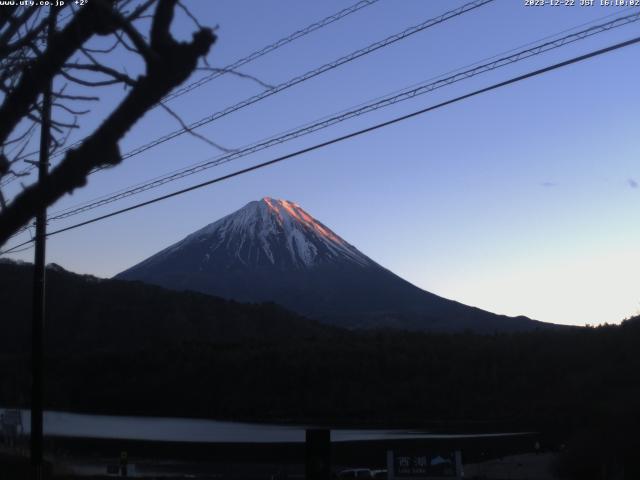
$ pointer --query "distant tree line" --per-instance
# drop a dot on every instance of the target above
(580, 387)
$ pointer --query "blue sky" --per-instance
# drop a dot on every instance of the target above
(521, 201)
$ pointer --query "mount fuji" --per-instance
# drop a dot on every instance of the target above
(273, 251)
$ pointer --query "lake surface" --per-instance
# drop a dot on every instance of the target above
(65, 424)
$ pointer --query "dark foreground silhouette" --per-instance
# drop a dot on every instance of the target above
(117, 347)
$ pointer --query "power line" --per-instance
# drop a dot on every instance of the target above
(304, 77)
(450, 72)
(24, 249)
(325, 122)
(332, 120)
(294, 81)
(256, 54)
(270, 48)
(378, 126)
(238, 63)
(309, 75)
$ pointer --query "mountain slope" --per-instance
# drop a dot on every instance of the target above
(272, 250)
(89, 314)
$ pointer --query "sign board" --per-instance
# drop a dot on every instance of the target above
(424, 464)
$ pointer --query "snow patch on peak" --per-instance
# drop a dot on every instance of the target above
(284, 208)
(305, 235)
(269, 228)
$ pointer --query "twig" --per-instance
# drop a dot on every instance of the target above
(190, 130)
(268, 86)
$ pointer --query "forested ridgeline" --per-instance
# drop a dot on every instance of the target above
(566, 382)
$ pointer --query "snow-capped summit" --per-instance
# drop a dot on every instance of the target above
(272, 231)
(273, 250)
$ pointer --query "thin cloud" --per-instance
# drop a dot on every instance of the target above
(548, 184)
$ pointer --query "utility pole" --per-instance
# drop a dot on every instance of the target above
(38, 301)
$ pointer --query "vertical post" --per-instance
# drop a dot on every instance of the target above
(124, 460)
(318, 454)
(459, 470)
(38, 301)
(390, 466)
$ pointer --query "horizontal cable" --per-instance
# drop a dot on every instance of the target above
(332, 120)
(302, 78)
(341, 138)
(309, 75)
(233, 66)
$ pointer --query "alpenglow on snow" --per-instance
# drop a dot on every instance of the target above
(274, 251)
(260, 230)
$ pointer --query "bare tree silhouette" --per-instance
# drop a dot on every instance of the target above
(28, 63)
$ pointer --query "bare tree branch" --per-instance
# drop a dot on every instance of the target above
(140, 9)
(79, 98)
(168, 64)
(192, 132)
(24, 41)
(86, 23)
(102, 50)
(246, 76)
(70, 110)
(140, 44)
(117, 76)
(189, 14)
(89, 83)
(15, 25)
